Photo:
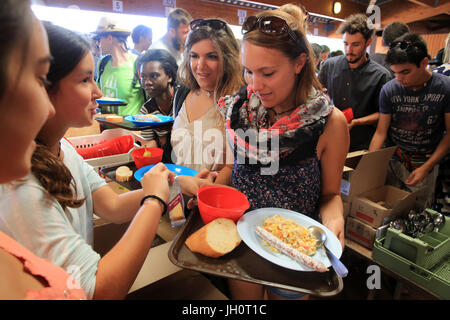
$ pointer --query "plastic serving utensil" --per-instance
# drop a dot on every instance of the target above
(146, 152)
(321, 237)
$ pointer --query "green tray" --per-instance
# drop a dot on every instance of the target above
(435, 280)
(425, 251)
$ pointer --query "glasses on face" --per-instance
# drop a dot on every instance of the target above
(212, 23)
(271, 25)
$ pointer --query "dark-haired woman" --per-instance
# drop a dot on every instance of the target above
(158, 75)
(24, 105)
(52, 211)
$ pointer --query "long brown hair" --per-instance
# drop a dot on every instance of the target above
(307, 79)
(229, 79)
(68, 49)
(55, 177)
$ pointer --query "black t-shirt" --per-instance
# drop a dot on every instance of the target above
(358, 89)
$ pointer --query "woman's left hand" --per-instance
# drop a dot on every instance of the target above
(336, 224)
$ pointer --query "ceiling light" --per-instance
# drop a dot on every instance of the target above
(337, 7)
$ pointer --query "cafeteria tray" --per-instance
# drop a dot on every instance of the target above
(110, 172)
(244, 264)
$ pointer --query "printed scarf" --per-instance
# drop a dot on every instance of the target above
(289, 140)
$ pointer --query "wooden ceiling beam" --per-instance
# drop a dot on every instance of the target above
(426, 3)
(409, 12)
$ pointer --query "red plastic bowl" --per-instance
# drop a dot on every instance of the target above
(221, 202)
(142, 161)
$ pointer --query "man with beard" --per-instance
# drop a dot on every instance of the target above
(177, 31)
(415, 116)
(353, 81)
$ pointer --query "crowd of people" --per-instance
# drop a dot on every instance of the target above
(266, 116)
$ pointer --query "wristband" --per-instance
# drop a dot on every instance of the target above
(157, 198)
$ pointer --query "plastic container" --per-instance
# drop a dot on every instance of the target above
(221, 202)
(348, 113)
(425, 251)
(435, 280)
(142, 161)
(92, 140)
(106, 148)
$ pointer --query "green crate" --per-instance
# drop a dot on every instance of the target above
(425, 251)
(435, 280)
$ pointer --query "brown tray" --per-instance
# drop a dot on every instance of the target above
(244, 264)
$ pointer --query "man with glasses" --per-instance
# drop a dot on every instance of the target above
(354, 81)
(177, 30)
(415, 116)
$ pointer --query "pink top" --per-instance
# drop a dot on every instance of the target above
(61, 286)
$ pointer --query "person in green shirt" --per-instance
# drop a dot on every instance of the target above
(116, 75)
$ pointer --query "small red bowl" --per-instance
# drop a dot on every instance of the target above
(142, 161)
(221, 202)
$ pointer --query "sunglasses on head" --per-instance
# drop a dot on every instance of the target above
(403, 45)
(215, 24)
(271, 25)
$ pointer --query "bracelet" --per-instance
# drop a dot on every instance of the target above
(157, 198)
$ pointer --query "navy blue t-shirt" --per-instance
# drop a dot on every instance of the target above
(418, 117)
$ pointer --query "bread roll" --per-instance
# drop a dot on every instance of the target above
(114, 118)
(123, 173)
(215, 239)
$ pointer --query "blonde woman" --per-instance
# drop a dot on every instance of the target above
(285, 101)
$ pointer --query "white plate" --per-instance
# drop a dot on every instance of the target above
(247, 230)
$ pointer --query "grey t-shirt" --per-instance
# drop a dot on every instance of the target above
(418, 117)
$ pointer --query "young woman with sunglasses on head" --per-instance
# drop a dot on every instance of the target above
(25, 59)
(55, 205)
(210, 69)
(284, 101)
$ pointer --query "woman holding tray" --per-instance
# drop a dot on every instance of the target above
(290, 142)
(51, 210)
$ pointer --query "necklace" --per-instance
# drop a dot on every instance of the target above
(283, 112)
(59, 149)
(208, 93)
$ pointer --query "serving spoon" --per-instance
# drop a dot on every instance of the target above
(321, 237)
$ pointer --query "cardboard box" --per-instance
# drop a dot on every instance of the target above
(363, 170)
(360, 232)
(363, 186)
(347, 207)
(378, 206)
(351, 162)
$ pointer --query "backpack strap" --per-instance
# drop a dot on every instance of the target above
(103, 62)
(178, 99)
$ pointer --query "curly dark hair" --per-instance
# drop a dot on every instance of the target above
(357, 23)
(167, 61)
(393, 31)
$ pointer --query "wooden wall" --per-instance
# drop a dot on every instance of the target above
(435, 42)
